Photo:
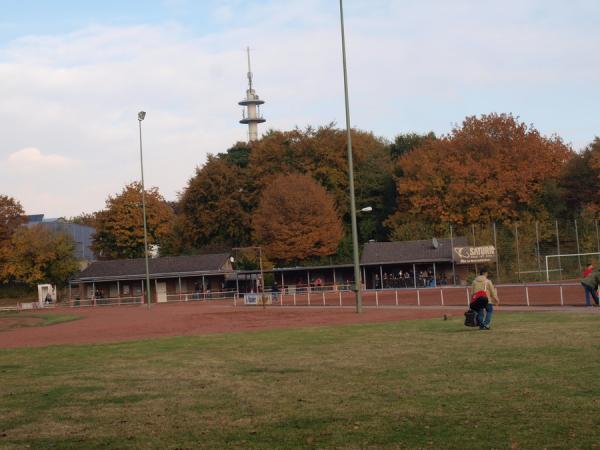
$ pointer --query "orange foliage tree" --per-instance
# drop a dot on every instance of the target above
(39, 255)
(490, 168)
(321, 152)
(120, 227)
(296, 219)
(12, 216)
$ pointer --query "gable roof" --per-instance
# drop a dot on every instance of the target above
(404, 252)
(159, 267)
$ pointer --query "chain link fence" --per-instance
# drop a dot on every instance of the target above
(550, 250)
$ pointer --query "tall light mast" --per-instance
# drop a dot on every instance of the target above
(251, 114)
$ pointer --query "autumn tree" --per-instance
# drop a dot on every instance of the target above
(39, 255)
(216, 205)
(490, 168)
(119, 227)
(321, 152)
(12, 216)
(296, 219)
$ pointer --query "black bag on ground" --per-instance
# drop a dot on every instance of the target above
(471, 318)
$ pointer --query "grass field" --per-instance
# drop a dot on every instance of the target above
(531, 383)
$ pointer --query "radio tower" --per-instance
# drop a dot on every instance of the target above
(251, 114)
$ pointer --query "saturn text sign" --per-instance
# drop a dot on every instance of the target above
(474, 255)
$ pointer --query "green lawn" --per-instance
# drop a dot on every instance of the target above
(530, 383)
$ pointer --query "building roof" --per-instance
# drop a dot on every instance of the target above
(404, 252)
(168, 266)
(309, 268)
(82, 235)
(35, 218)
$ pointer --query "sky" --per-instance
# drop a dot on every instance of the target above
(73, 76)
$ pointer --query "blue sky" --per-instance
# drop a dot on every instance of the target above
(74, 74)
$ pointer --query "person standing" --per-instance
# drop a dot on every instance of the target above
(483, 295)
(590, 284)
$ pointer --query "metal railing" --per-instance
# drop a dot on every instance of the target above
(522, 294)
(526, 294)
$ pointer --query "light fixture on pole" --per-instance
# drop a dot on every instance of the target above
(142, 116)
(367, 209)
(357, 281)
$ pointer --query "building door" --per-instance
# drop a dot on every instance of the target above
(161, 291)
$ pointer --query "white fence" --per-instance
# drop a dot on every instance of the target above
(533, 294)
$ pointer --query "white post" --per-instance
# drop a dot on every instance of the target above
(468, 298)
(340, 292)
(323, 292)
(415, 275)
(308, 296)
(442, 296)
(418, 298)
(294, 298)
(377, 299)
(527, 294)
(547, 271)
(396, 297)
(562, 300)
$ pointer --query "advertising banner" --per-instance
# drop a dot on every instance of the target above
(474, 255)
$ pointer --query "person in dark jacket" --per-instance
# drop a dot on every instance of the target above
(590, 284)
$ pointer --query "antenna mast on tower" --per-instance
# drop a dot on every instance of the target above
(251, 115)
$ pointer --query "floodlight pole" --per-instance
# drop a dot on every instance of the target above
(357, 280)
(141, 116)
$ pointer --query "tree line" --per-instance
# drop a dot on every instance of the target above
(288, 191)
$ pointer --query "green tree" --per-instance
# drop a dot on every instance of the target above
(580, 183)
(87, 219)
(39, 255)
(238, 155)
(216, 205)
(120, 227)
(407, 142)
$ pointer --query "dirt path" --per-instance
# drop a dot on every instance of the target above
(116, 324)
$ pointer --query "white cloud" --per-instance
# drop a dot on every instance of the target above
(32, 158)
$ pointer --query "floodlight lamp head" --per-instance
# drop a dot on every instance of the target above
(367, 209)
(141, 115)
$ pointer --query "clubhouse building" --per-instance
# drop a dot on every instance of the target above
(383, 265)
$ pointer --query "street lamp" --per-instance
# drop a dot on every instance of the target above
(367, 209)
(142, 116)
(351, 174)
